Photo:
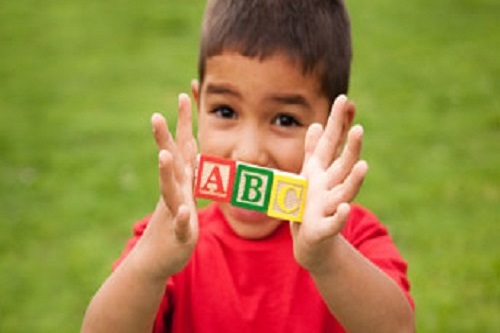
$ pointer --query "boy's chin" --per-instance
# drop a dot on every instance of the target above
(248, 223)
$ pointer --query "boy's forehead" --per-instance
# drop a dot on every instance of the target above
(274, 69)
(277, 56)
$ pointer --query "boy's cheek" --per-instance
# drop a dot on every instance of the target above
(214, 143)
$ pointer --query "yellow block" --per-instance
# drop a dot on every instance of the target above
(288, 197)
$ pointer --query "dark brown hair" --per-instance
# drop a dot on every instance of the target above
(315, 33)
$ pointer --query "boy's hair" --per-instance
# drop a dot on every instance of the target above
(315, 33)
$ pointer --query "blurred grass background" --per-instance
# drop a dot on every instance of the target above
(80, 79)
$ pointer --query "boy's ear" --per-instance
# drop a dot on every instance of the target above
(195, 90)
(350, 113)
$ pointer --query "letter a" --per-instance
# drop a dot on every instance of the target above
(215, 178)
(214, 182)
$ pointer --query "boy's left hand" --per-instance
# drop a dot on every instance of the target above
(334, 180)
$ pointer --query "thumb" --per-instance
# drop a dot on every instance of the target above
(181, 224)
(313, 134)
(333, 225)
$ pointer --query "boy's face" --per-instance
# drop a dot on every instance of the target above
(257, 112)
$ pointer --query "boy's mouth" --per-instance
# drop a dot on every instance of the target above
(247, 215)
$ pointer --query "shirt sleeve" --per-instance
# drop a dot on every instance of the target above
(364, 231)
(162, 316)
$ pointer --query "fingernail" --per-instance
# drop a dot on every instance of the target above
(359, 128)
(155, 115)
(316, 127)
(162, 155)
(363, 165)
(182, 96)
(341, 98)
(344, 208)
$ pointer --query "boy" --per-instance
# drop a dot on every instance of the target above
(269, 70)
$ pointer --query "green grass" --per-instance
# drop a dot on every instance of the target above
(80, 79)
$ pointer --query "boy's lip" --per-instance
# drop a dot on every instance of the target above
(247, 215)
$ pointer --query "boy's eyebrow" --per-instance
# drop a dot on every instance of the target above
(291, 99)
(287, 99)
(222, 89)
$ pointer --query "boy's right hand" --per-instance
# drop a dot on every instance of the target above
(169, 240)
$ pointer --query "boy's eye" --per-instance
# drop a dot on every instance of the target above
(286, 121)
(224, 112)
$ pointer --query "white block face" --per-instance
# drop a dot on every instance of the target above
(252, 188)
(214, 178)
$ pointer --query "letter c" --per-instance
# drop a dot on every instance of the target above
(281, 198)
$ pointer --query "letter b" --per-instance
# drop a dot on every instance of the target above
(252, 187)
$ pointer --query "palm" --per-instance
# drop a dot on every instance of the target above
(334, 180)
(175, 223)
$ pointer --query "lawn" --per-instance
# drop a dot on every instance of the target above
(80, 79)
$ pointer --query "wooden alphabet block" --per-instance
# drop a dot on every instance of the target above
(278, 194)
(252, 187)
(288, 196)
(215, 178)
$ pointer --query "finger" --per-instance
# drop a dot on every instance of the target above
(168, 187)
(339, 170)
(184, 132)
(348, 112)
(161, 133)
(332, 135)
(194, 153)
(189, 181)
(186, 142)
(334, 224)
(164, 141)
(348, 190)
(182, 225)
(294, 228)
(313, 135)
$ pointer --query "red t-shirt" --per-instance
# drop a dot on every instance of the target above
(233, 284)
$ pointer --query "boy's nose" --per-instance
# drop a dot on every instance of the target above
(250, 148)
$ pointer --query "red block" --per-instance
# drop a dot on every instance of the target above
(215, 178)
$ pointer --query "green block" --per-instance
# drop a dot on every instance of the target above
(252, 187)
